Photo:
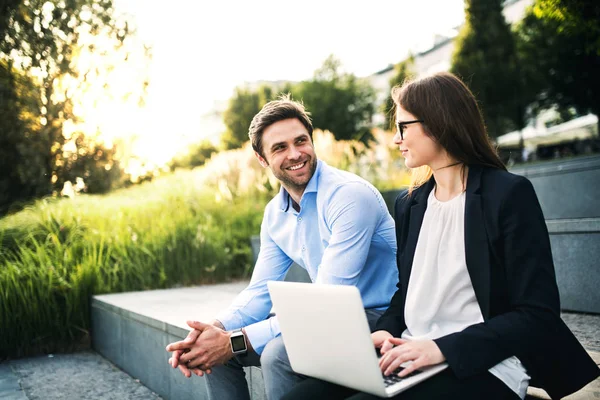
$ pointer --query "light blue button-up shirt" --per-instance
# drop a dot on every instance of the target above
(343, 234)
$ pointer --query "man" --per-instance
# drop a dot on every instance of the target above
(330, 222)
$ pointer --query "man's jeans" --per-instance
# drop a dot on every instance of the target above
(229, 381)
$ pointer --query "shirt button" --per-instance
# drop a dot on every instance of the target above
(299, 219)
(303, 248)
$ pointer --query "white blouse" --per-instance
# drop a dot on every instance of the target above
(440, 299)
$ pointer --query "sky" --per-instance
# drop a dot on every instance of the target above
(202, 50)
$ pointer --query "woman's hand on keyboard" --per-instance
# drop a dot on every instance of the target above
(396, 352)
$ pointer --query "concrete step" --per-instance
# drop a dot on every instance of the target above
(10, 389)
(132, 330)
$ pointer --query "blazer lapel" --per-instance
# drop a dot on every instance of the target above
(417, 212)
(476, 244)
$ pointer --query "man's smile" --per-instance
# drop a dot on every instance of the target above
(296, 166)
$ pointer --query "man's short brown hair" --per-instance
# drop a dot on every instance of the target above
(275, 111)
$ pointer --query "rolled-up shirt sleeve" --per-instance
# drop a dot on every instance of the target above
(353, 214)
(252, 306)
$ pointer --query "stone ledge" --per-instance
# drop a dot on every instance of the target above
(143, 319)
(132, 330)
(10, 388)
(573, 225)
(549, 168)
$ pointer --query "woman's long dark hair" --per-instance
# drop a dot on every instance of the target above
(451, 117)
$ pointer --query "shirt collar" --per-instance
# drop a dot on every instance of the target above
(311, 187)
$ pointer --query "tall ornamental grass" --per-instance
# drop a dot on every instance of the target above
(57, 253)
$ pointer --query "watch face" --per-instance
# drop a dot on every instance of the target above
(238, 343)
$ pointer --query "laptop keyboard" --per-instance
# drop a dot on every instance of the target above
(393, 378)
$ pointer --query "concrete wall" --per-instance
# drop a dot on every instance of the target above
(136, 344)
(569, 194)
(566, 189)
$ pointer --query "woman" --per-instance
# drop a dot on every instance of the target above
(477, 284)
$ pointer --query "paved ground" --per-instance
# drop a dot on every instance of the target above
(83, 375)
(586, 328)
(87, 375)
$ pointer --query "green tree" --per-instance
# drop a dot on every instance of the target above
(486, 58)
(243, 106)
(90, 160)
(197, 155)
(338, 102)
(561, 39)
(41, 40)
(402, 71)
(23, 174)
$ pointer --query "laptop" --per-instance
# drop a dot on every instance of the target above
(327, 336)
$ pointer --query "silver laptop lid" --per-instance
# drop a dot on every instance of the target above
(326, 333)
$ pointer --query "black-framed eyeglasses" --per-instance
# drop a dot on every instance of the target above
(400, 125)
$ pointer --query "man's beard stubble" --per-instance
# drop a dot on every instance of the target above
(288, 181)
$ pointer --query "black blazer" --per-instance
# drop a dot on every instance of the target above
(510, 265)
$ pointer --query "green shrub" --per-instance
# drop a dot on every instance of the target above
(57, 253)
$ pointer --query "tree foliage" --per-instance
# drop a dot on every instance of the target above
(197, 155)
(338, 102)
(486, 59)
(562, 41)
(40, 41)
(243, 106)
(402, 71)
(22, 155)
(90, 160)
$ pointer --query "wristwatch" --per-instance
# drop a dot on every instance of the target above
(238, 342)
